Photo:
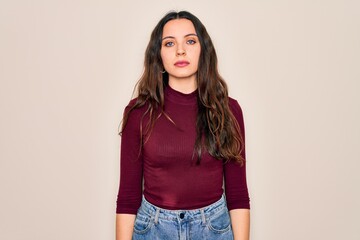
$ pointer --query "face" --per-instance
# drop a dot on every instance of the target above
(180, 50)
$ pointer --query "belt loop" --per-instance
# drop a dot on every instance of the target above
(157, 215)
(202, 216)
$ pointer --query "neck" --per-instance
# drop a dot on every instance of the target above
(183, 85)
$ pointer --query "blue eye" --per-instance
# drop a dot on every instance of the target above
(191, 42)
(169, 44)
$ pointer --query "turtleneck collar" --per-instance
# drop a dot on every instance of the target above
(179, 97)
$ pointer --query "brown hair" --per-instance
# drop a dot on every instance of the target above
(217, 128)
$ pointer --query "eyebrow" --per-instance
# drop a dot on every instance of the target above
(187, 35)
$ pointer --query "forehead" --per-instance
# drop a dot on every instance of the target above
(178, 28)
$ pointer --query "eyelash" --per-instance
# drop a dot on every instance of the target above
(170, 44)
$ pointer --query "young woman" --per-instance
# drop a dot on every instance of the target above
(184, 137)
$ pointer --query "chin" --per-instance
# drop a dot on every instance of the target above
(182, 75)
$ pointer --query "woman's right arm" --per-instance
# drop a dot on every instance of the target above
(130, 187)
(124, 226)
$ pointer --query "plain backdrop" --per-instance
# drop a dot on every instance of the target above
(68, 68)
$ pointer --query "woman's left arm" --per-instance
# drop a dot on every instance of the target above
(240, 223)
(236, 187)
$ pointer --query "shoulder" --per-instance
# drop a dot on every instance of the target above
(235, 107)
(134, 110)
(132, 102)
(133, 117)
(133, 113)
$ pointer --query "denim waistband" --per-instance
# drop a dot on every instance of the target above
(183, 215)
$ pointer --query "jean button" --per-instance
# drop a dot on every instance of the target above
(182, 215)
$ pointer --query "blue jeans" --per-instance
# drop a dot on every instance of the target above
(210, 222)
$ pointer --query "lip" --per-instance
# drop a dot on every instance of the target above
(181, 63)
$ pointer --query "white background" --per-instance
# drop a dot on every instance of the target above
(68, 68)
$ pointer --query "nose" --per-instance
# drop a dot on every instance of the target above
(180, 52)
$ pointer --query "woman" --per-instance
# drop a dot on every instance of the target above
(184, 137)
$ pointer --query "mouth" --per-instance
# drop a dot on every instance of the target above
(181, 63)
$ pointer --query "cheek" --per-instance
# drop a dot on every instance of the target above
(196, 55)
(164, 58)
(195, 52)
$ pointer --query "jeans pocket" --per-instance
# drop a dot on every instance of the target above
(142, 224)
(220, 222)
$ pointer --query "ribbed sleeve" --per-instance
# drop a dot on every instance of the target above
(236, 190)
(131, 165)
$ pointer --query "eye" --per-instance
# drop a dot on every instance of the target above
(191, 41)
(169, 44)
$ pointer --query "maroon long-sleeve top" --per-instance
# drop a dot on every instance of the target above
(172, 180)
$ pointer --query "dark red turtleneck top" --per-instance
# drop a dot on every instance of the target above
(172, 180)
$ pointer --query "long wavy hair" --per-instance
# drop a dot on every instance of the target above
(218, 131)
